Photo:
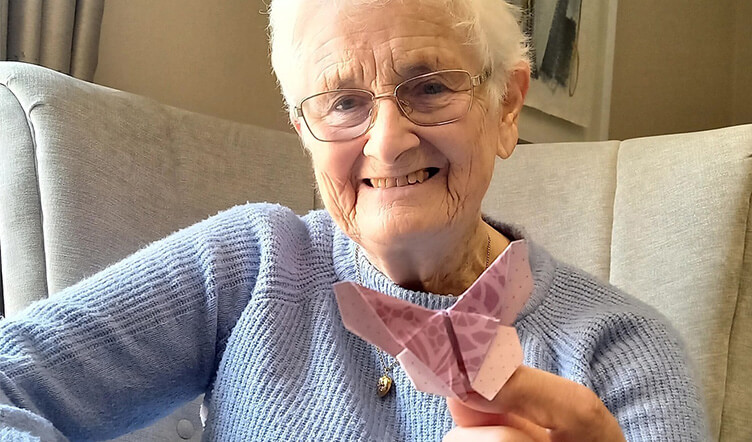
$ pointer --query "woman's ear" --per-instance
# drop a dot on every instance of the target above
(517, 85)
(295, 121)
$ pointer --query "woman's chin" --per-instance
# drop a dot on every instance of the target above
(400, 227)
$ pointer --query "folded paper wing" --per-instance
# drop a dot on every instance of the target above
(470, 346)
(502, 290)
(418, 337)
(382, 320)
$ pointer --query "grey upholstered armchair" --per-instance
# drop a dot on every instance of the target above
(90, 174)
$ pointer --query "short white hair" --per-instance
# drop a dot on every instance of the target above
(491, 27)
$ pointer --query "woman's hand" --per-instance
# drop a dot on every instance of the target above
(534, 406)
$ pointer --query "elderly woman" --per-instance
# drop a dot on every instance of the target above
(403, 106)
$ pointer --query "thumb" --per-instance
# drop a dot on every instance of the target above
(465, 416)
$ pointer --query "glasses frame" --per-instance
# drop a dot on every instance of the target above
(475, 81)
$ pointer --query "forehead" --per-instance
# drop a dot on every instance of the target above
(377, 46)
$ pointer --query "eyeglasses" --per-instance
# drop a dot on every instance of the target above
(432, 99)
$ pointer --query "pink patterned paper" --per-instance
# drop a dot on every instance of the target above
(471, 346)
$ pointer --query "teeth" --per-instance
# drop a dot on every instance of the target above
(412, 178)
(422, 175)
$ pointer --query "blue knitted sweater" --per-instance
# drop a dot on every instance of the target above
(241, 307)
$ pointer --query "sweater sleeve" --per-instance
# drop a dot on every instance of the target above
(640, 371)
(126, 346)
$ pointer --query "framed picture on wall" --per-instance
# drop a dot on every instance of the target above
(571, 44)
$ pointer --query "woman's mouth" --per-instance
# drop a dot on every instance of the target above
(416, 177)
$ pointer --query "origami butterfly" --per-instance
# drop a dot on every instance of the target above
(471, 346)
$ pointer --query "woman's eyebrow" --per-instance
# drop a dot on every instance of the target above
(415, 69)
(338, 80)
(334, 79)
(324, 84)
(337, 83)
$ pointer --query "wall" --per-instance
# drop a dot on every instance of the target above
(675, 65)
(742, 74)
(679, 65)
(209, 57)
(553, 115)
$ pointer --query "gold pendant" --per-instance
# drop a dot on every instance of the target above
(385, 384)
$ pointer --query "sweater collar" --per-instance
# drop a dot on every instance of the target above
(542, 266)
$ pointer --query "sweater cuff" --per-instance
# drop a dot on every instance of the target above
(19, 425)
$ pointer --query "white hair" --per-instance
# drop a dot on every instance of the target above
(490, 27)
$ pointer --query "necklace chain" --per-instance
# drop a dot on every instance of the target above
(385, 382)
(387, 369)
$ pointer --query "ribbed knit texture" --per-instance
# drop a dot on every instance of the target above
(241, 307)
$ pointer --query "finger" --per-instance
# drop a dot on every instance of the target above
(486, 434)
(545, 399)
(537, 433)
(465, 416)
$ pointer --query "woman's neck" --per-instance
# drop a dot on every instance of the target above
(444, 264)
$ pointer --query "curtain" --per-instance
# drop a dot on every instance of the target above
(58, 34)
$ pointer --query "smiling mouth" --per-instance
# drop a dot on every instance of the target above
(416, 177)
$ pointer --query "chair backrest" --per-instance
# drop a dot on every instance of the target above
(666, 219)
(89, 175)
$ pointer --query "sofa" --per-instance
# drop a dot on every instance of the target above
(90, 174)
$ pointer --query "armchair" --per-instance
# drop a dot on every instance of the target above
(89, 174)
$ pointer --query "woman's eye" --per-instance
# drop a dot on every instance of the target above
(345, 104)
(433, 88)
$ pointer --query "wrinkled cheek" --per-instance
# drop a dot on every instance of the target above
(458, 187)
(340, 200)
(465, 188)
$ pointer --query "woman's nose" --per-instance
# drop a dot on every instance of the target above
(391, 135)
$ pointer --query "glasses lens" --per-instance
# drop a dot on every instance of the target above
(338, 115)
(437, 98)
